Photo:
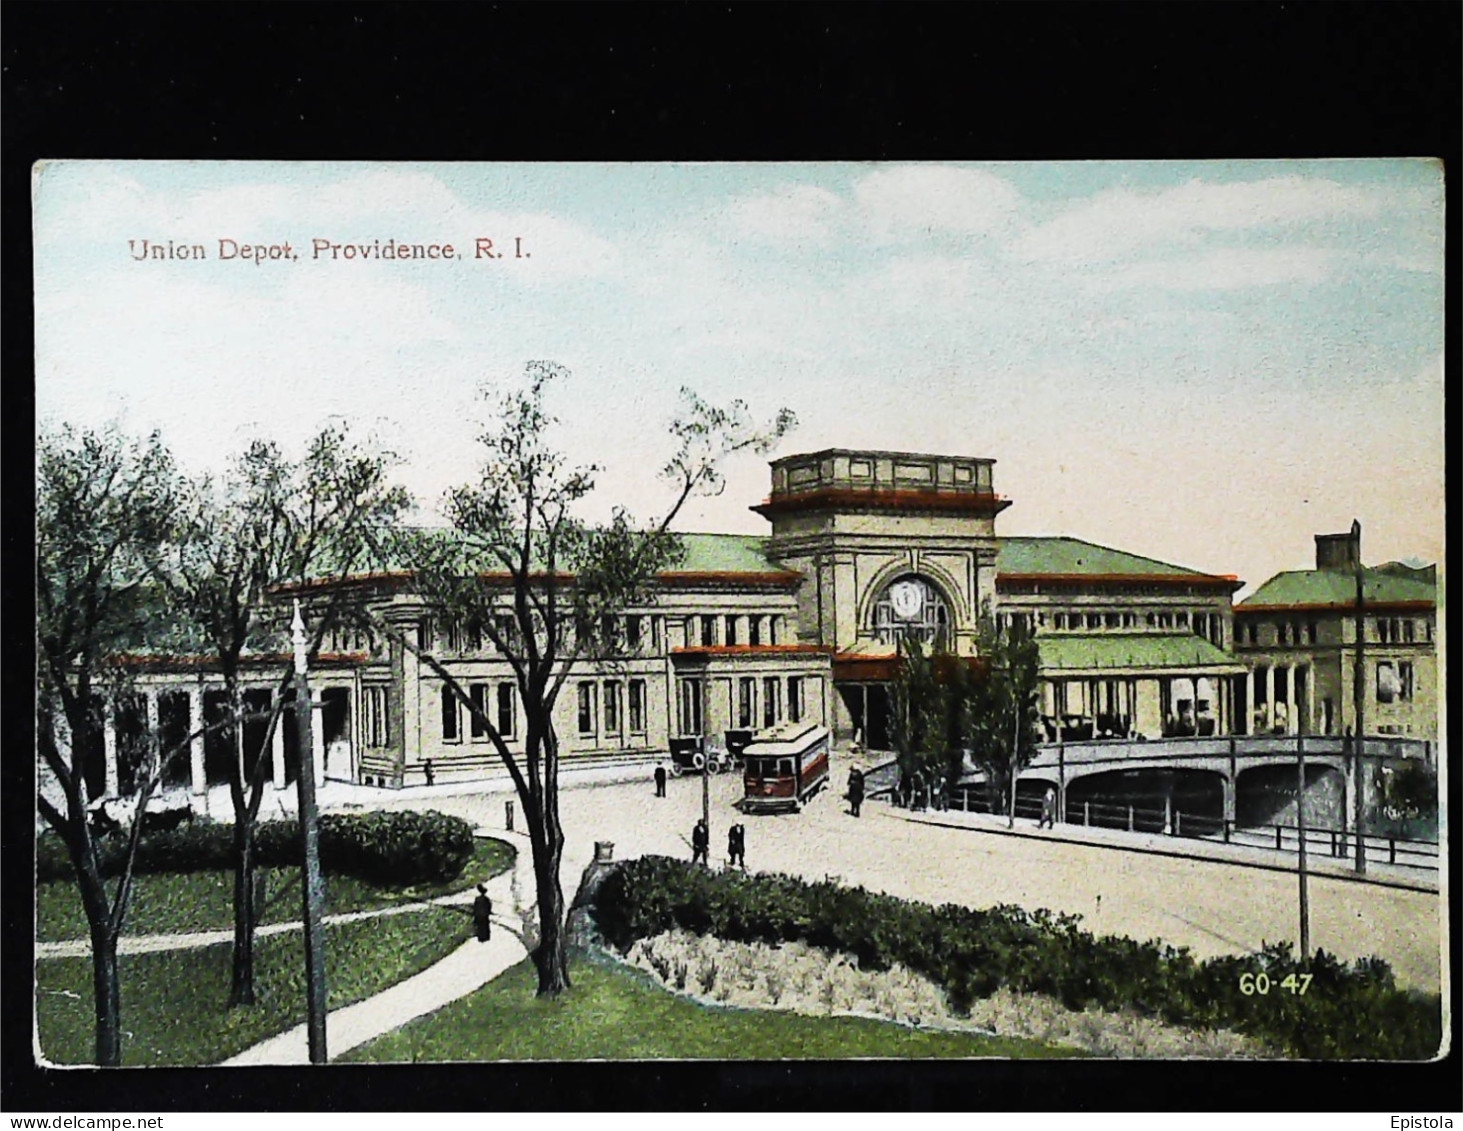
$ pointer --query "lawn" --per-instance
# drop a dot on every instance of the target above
(168, 903)
(616, 1013)
(173, 1002)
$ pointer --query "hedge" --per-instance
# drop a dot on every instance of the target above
(1350, 1012)
(396, 848)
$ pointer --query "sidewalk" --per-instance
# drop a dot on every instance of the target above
(1245, 855)
(467, 968)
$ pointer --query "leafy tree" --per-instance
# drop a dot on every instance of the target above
(1004, 710)
(268, 522)
(546, 589)
(102, 506)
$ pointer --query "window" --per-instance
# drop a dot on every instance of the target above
(754, 630)
(771, 705)
(1409, 631)
(731, 629)
(772, 632)
(1405, 681)
(1384, 630)
(1059, 620)
(507, 721)
(377, 722)
(477, 724)
(795, 698)
(1388, 687)
(632, 634)
(1130, 620)
(1310, 631)
(690, 707)
(612, 708)
(452, 635)
(1111, 620)
(708, 631)
(637, 706)
(425, 637)
(587, 709)
(451, 732)
(744, 701)
(910, 606)
(1094, 620)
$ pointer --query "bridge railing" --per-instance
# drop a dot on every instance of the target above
(1242, 746)
(1406, 852)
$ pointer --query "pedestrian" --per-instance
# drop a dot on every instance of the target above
(1048, 809)
(660, 780)
(855, 790)
(701, 844)
(430, 773)
(736, 845)
(482, 914)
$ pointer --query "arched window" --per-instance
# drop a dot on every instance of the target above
(910, 606)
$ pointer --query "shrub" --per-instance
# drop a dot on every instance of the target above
(394, 848)
(1349, 1011)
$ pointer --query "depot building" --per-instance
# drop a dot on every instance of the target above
(800, 624)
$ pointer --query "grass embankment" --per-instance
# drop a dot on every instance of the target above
(173, 1002)
(175, 903)
(615, 1013)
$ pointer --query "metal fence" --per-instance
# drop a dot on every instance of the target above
(1321, 842)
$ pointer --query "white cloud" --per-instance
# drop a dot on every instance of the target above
(1121, 221)
(790, 213)
(1223, 269)
(912, 199)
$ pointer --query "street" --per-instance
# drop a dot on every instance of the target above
(1211, 907)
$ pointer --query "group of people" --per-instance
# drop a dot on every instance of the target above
(736, 845)
(920, 790)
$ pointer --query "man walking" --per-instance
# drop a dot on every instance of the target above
(736, 846)
(660, 781)
(701, 844)
(855, 790)
(482, 914)
(1048, 809)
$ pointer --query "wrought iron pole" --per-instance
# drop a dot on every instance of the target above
(1358, 741)
(1300, 822)
(314, 882)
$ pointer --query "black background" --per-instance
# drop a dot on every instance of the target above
(686, 82)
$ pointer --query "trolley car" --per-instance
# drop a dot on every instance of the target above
(785, 767)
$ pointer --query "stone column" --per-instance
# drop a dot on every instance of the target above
(109, 745)
(317, 736)
(1269, 698)
(154, 736)
(197, 772)
(276, 750)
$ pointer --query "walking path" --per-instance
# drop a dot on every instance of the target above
(470, 966)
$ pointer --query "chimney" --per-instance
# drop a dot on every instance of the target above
(1339, 551)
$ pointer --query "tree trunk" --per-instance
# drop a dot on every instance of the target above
(548, 850)
(107, 993)
(241, 985)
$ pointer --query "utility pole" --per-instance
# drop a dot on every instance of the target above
(314, 882)
(1300, 825)
(1358, 699)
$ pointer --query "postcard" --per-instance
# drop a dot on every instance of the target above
(898, 611)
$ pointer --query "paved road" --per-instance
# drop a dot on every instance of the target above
(1213, 907)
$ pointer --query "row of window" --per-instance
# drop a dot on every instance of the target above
(754, 707)
(710, 630)
(1209, 625)
(616, 635)
(614, 695)
(1289, 633)
(495, 702)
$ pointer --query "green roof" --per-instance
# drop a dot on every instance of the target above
(1337, 587)
(1072, 556)
(1139, 651)
(726, 553)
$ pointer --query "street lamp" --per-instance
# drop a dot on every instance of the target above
(314, 881)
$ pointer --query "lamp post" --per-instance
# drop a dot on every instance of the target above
(1358, 699)
(1300, 829)
(314, 883)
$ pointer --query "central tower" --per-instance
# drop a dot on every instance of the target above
(890, 544)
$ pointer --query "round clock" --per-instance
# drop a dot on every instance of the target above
(907, 599)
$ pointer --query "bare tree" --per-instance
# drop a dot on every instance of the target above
(102, 506)
(546, 589)
(268, 523)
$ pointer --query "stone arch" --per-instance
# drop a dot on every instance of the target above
(946, 611)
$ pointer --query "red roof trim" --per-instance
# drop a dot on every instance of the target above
(972, 502)
(1216, 580)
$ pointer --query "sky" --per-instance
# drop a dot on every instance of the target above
(1202, 362)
